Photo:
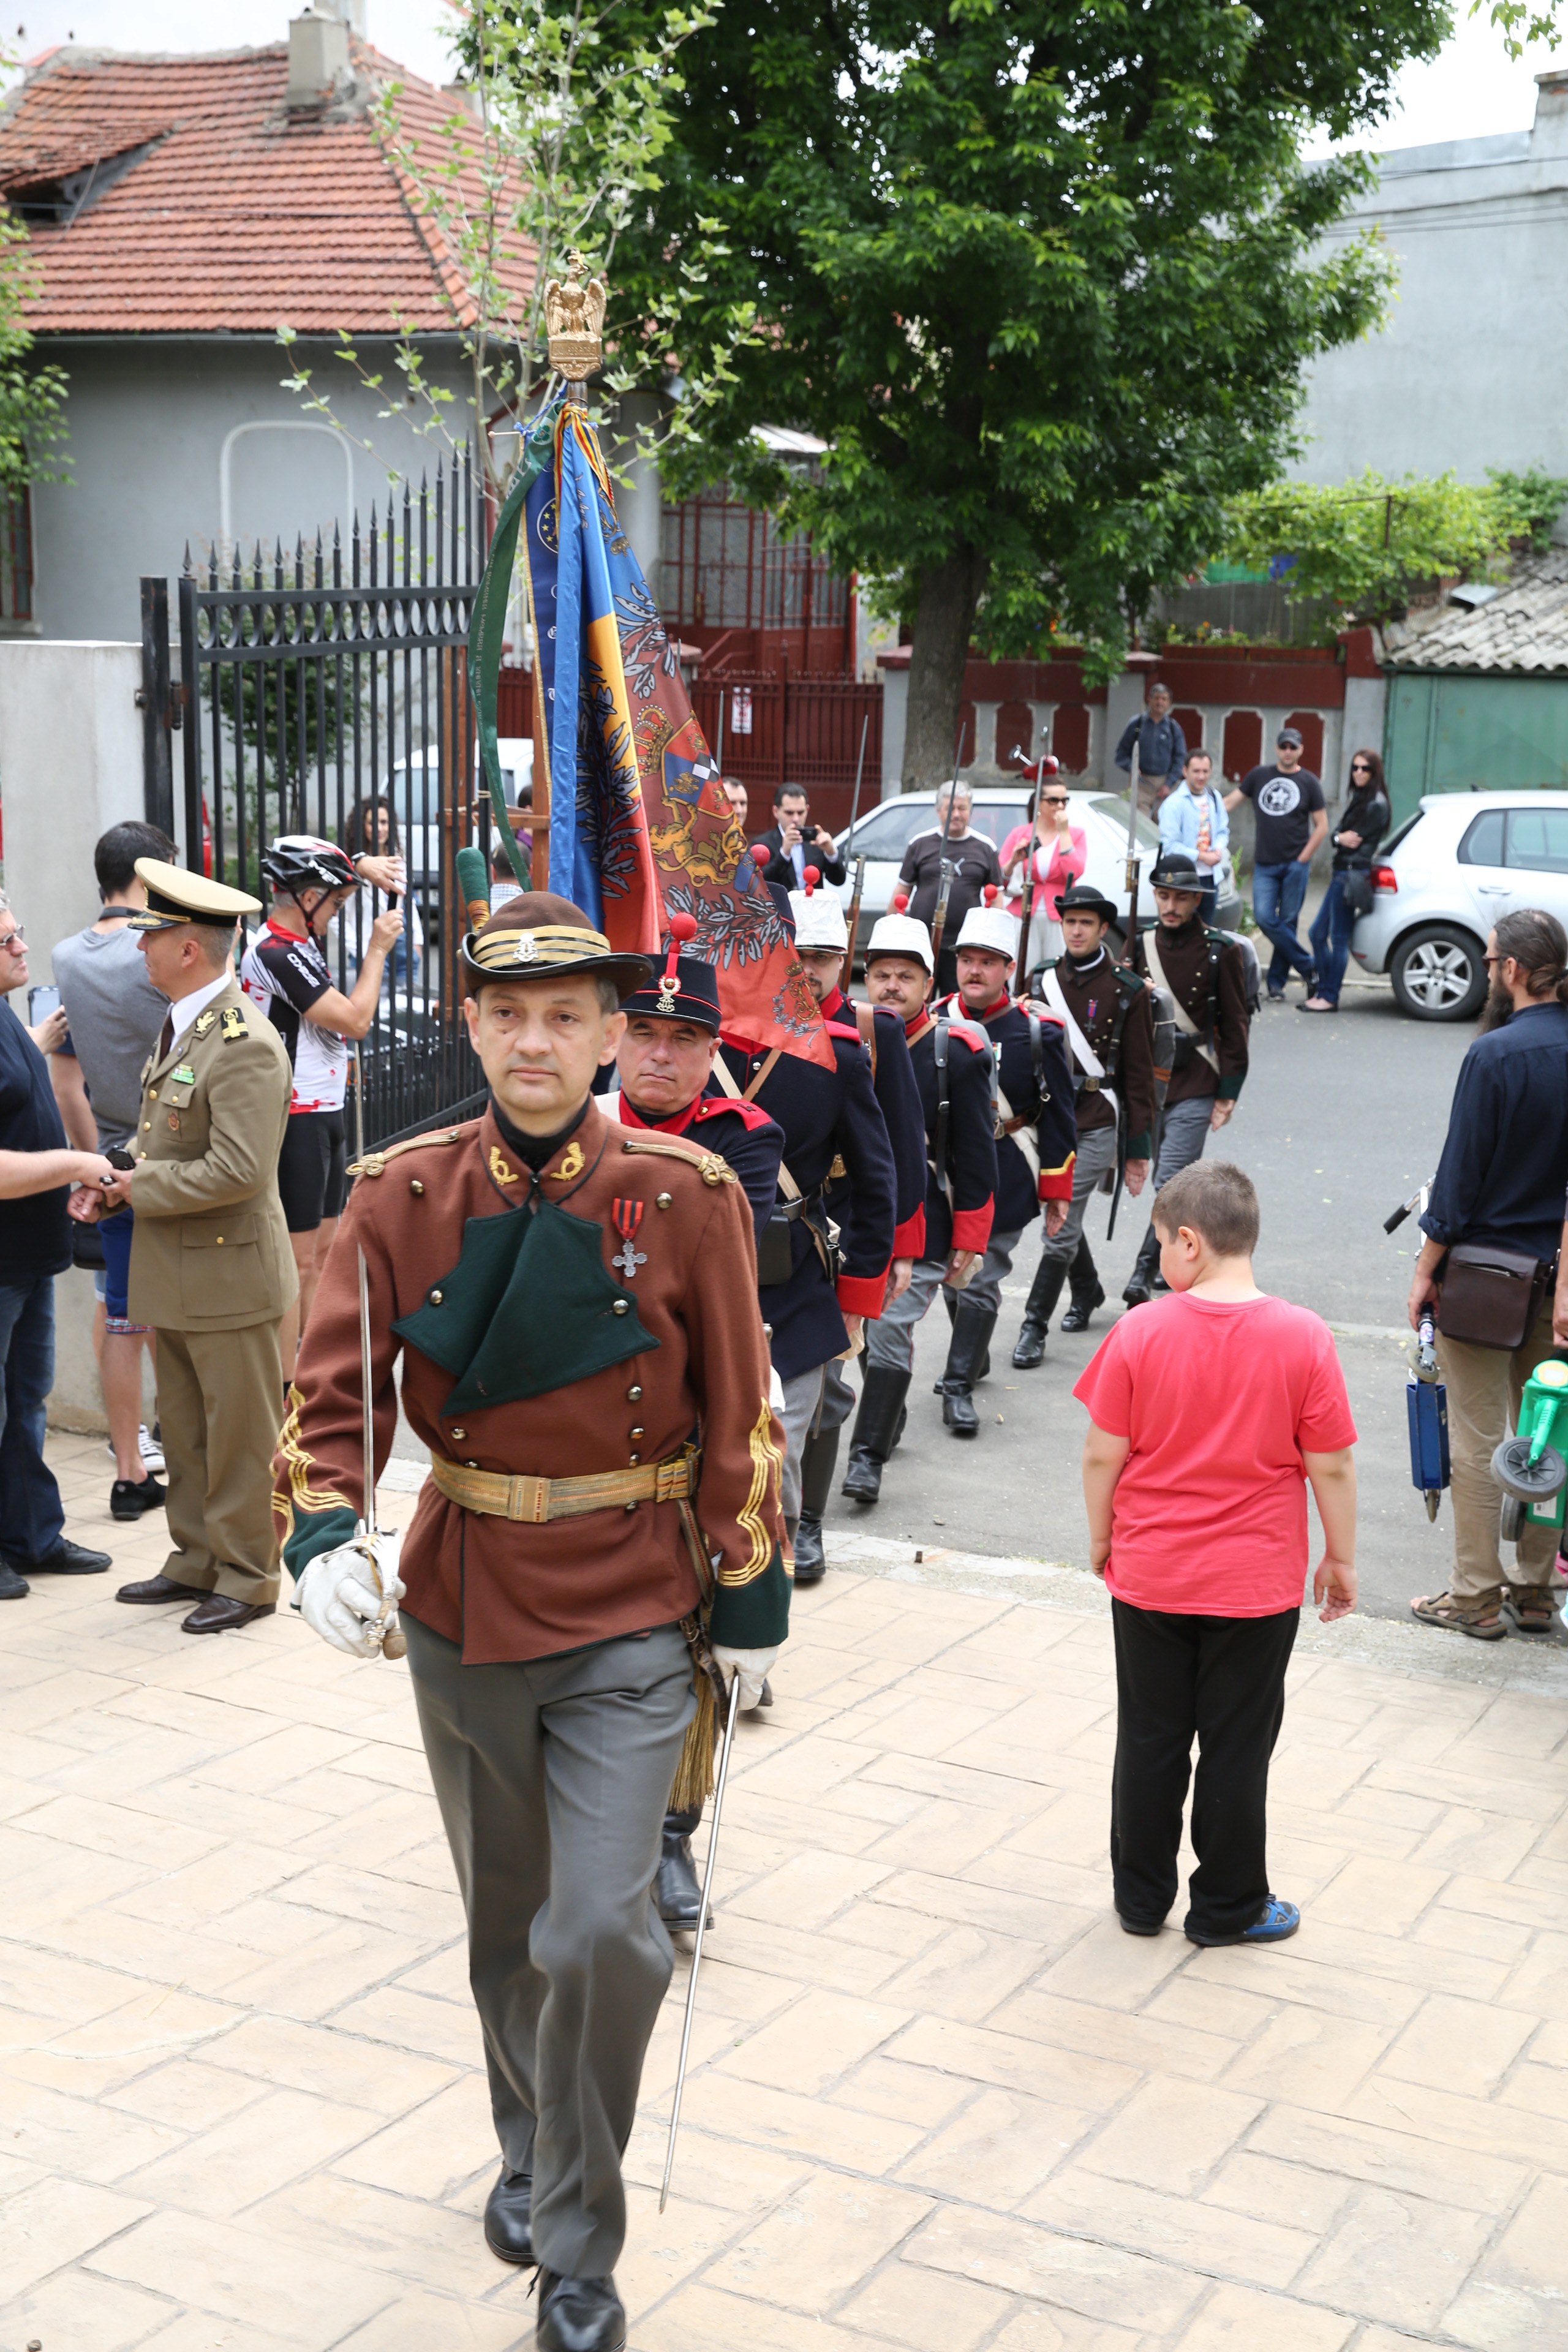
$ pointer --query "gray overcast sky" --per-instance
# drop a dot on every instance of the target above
(1472, 88)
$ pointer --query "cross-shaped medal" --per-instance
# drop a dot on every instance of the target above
(629, 1259)
(627, 1216)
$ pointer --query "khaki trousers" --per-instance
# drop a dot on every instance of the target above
(1484, 1386)
(220, 1409)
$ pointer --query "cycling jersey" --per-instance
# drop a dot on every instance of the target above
(284, 975)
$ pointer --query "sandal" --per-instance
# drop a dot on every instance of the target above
(1530, 1608)
(1316, 1004)
(1482, 1620)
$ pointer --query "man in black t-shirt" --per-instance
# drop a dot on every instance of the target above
(1288, 802)
(37, 1169)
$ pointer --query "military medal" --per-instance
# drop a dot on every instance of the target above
(627, 1216)
(184, 1076)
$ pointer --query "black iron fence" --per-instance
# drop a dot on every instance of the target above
(327, 693)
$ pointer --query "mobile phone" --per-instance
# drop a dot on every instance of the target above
(41, 1001)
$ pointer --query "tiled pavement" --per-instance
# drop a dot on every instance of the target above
(938, 2100)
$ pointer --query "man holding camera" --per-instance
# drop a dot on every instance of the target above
(795, 843)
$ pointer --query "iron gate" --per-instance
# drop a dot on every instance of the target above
(328, 694)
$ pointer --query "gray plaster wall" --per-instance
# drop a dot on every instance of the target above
(1467, 369)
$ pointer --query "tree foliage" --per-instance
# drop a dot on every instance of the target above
(32, 427)
(1044, 276)
(1520, 23)
(1369, 541)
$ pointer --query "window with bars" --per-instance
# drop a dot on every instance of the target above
(17, 556)
(726, 566)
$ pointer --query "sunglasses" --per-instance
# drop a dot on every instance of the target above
(15, 941)
(1055, 800)
(1365, 765)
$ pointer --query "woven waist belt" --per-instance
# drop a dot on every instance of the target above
(534, 1500)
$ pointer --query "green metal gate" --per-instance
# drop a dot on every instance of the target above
(1452, 732)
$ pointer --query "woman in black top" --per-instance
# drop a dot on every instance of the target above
(1362, 823)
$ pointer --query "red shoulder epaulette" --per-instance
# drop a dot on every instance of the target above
(751, 1113)
(848, 1030)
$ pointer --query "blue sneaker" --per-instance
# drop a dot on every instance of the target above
(1279, 1919)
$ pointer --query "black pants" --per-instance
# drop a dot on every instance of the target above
(1223, 1679)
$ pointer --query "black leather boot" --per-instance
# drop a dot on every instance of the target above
(579, 2315)
(1140, 1287)
(876, 1432)
(950, 1298)
(971, 1338)
(1087, 1292)
(818, 1463)
(676, 1890)
(507, 2228)
(1044, 1293)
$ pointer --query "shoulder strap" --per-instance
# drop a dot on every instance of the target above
(866, 1022)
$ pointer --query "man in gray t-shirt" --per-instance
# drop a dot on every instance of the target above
(114, 1016)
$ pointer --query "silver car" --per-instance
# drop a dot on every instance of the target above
(1440, 882)
(884, 832)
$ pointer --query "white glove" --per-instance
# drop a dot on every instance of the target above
(776, 1393)
(749, 1668)
(337, 1595)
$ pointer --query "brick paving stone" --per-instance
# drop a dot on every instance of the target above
(937, 2098)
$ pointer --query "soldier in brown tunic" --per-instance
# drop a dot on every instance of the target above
(1201, 970)
(576, 1306)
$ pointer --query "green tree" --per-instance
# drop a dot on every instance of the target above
(1520, 22)
(32, 428)
(1044, 276)
(1368, 542)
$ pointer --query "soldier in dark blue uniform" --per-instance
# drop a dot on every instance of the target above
(1036, 1133)
(953, 1069)
(664, 1062)
(832, 1123)
(822, 941)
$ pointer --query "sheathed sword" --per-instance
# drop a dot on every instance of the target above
(385, 1634)
(701, 1931)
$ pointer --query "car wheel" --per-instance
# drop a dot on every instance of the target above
(1438, 974)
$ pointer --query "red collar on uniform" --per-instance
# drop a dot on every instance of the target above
(916, 1029)
(835, 1004)
(675, 1124)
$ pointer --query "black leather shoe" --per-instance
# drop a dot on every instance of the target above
(1138, 1292)
(161, 1588)
(218, 1614)
(676, 1890)
(507, 2230)
(1077, 1314)
(810, 1560)
(578, 2315)
(66, 1558)
(958, 1413)
(1044, 1293)
(128, 1499)
(971, 1329)
(12, 1586)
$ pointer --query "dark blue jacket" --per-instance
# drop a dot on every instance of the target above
(1161, 750)
(893, 1076)
(970, 1152)
(1504, 1169)
(739, 1132)
(1045, 1106)
(825, 1115)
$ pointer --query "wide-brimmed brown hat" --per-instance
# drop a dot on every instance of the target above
(534, 935)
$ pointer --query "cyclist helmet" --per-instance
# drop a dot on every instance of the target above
(299, 861)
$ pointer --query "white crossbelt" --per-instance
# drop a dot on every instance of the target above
(1184, 1020)
(1082, 1051)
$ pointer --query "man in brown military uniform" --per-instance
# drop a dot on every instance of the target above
(211, 1269)
(576, 1306)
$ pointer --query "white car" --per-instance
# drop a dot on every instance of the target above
(884, 832)
(414, 788)
(1440, 882)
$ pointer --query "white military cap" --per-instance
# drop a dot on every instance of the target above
(818, 920)
(900, 935)
(990, 927)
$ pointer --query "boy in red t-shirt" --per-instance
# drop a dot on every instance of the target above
(1210, 1411)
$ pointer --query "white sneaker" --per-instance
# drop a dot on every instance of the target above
(152, 1451)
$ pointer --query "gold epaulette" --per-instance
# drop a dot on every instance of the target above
(374, 1163)
(708, 1164)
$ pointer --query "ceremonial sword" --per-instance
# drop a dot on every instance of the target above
(702, 1930)
(385, 1634)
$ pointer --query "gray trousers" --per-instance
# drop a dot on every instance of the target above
(553, 1775)
(1183, 1136)
(985, 1286)
(801, 1395)
(1096, 1152)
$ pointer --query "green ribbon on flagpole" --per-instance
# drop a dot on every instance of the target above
(486, 631)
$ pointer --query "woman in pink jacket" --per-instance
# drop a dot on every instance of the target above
(1056, 853)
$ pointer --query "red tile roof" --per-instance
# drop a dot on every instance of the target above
(243, 216)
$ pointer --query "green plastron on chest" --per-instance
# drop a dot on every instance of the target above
(528, 1308)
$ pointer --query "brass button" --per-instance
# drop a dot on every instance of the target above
(147, 1130)
(220, 1241)
(470, 1465)
(637, 1433)
(415, 1185)
(663, 1200)
(435, 1298)
(459, 1435)
(633, 1459)
(621, 1305)
(633, 1395)
(152, 1094)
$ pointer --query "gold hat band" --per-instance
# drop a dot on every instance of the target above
(519, 951)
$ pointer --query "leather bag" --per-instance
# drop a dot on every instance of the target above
(1489, 1295)
(1356, 883)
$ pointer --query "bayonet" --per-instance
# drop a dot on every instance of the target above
(702, 1930)
(385, 1634)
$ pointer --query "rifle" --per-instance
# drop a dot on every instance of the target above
(853, 923)
(946, 890)
(1047, 767)
(1129, 952)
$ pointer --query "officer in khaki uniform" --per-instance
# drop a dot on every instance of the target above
(211, 1269)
